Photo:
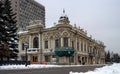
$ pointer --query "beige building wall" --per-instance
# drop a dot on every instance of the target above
(86, 50)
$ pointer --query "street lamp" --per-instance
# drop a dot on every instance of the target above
(26, 47)
(69, 56)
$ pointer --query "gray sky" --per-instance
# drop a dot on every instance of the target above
(101, 18)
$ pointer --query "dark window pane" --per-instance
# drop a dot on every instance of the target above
(65, 42)
(22, 46)
(85, 47)
(46, 44)
(77, 45)
(35, 42)
(57, 43)
(35, 59)
(81, 46)
(72, 44)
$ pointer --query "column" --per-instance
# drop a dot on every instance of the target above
(30, 41)
(86, 47)
(19, 48)
(20, 45)
(76, 44)
(87, 59)
(39, 42)
(52, 44)
(61, 42)
(69, 43)
(75, 56)
(81, 59)
(40, 57)
(29, 58)
(80, 45)
(83, 46)
(49, 43)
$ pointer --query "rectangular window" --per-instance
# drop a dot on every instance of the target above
(57, 43)
(88, 48)
(72, 44)
(23, 46)
(85, 47)
(65, 42)
(46, 44)
(81, 46)
(77, 45)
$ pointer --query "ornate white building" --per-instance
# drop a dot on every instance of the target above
(60, 44)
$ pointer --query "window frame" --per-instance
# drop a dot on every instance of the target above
(57, 43)
(65, 41)
(46, 44)
(36, 42)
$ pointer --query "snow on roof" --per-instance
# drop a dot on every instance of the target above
(22, 32)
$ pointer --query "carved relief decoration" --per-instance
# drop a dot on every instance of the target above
(51, 35)
(24, 39)
(65, 34)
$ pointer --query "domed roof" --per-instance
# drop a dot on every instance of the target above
(64, 18)
(35, 24)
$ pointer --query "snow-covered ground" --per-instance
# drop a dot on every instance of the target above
(112, 69)
(32, 66)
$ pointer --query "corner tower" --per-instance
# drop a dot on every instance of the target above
(64, 19)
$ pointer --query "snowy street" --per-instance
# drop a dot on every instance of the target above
(60, 69)
(46, 69)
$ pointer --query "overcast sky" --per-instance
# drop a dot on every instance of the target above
(101, 18)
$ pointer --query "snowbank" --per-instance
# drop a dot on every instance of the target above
(113, 69)
(33, 66)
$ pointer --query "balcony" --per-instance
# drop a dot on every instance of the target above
(91, 54)
(66, 51)
(32, 50)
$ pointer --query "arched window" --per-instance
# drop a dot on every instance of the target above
(35, 42)
(57, 43)
(65, 39)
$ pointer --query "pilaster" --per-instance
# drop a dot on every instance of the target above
(30, 41)
(69, 43)
(61, 42)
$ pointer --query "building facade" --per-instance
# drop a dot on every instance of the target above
(60, 44)
(27, 10)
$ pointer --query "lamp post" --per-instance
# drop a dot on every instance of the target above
(41, 46)
(26, 47)
(69, 56)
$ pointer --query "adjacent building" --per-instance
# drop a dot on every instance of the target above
(27, 10)
(60, 44)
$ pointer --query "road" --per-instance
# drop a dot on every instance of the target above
(63, 70)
